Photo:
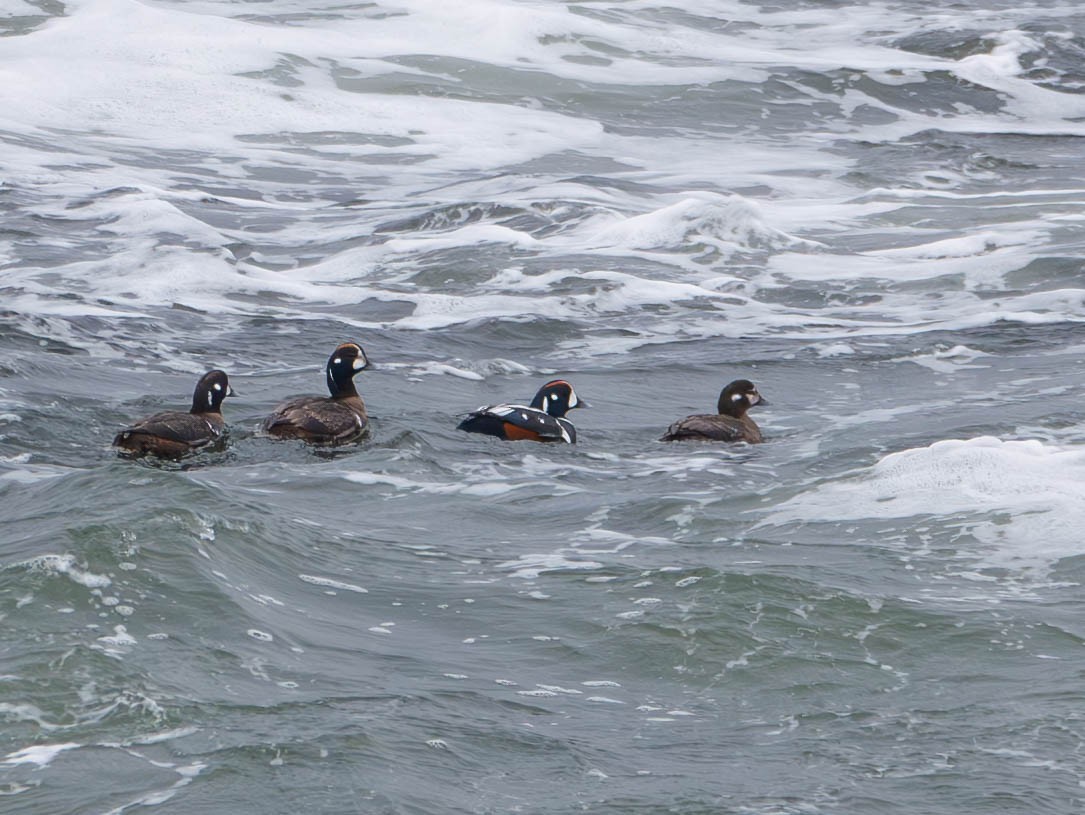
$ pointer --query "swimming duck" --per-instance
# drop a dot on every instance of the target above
(174, 433)
(542, 420)
(730, 423)
(334, 419)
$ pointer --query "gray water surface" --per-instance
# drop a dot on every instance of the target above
(877, 610)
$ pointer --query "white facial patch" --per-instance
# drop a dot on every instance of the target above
(545, 404)
(211, 398)
(337, 361)
(754, 397)
(737, 397)
(360, 363)
(218, 387)
(573, 401)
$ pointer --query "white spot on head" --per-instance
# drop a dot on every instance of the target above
(211, 397)
(360, 362)
(218, 387)
(545, 404)
(337, 361)
(737, 397)
(573, 401)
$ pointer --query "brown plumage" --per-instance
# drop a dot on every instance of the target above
(730, 423)
(334, 419)
(173, 433)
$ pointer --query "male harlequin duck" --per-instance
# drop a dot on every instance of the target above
(731, 422)
(543, 420)
(173, 434)
(334, 419)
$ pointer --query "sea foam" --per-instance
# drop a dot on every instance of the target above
(1024, 501)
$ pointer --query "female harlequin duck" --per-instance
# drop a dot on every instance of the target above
(334, 419)
(543, 420)
(173, 434)
(731, 422)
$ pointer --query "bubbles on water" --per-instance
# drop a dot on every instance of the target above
(66, 565)
(120, 637)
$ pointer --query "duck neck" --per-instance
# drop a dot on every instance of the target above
(204, 402)
(341, 390)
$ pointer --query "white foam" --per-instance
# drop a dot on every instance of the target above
(64, 565)
(113, 78)
(40, 755)
(431, 368)
(179, 78)
(332, 584)
(119, 637)
(834, 349)
(1023, 500)
(186, 773)
(487, 483)
(726, 222)
(529, 567)
(949, 360)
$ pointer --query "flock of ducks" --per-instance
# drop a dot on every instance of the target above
(340, 417)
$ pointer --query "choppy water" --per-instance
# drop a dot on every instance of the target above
(873, 210)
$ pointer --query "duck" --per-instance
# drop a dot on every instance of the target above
(729, 423)
(336, 419)
(174, 433)
(543, 420)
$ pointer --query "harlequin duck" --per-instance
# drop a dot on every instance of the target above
(334, 419)
(730, 423)
(543, 420)
(173, 434)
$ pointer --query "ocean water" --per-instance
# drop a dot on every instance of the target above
(873, 210)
